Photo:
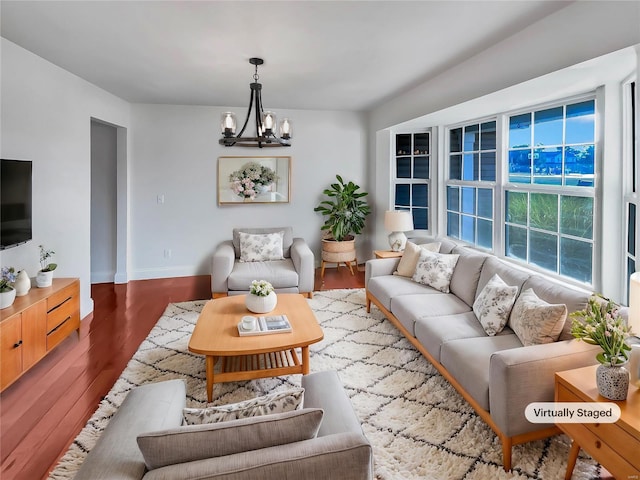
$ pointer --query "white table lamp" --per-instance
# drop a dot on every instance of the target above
(397, 222)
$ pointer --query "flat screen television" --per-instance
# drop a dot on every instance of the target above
(15, 202)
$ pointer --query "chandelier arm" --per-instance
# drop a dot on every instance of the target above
(246, 120)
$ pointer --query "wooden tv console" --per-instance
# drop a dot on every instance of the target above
(35, 324)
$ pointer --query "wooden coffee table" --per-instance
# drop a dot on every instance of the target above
(258, 356)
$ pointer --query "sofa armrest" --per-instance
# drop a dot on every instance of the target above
(379, 266)
(304, 263)
(519, 376)
(221, 266)
(324, 390)
(345, 456)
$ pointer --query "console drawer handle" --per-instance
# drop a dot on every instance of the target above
(65, 321)
(16, 345)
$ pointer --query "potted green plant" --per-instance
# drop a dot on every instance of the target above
(44, 278)
(7, 292)
(345, 212)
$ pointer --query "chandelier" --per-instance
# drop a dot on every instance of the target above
(265, 122)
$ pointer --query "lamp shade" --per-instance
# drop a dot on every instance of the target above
(398, 221)
(634, 303)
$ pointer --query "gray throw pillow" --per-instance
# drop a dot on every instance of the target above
(197, 442)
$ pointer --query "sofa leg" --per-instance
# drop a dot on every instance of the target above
(308, 294)
(215, 295)
(506, 453)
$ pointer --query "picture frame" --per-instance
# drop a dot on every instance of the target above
(249, 180)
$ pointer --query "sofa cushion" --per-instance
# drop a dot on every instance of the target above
(411, 255)
(261, 247)
(494, 304)
(535, 321)
(196, 442)
(280, 273)
(435, 269)
(554, 292)
(432, 332)
(287, 239)
(409, 308)
(468, 361)
(275, 402)
(386, 287)
(464, 281)
(510, 274)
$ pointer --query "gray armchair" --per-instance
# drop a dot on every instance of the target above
(293, 274)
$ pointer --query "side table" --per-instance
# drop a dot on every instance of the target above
(615, 446)
(387, 254)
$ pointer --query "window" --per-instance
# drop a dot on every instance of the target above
(631, 198)
(470, 186)
(412, 176)
(549, 204)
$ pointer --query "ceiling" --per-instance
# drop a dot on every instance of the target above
(324, 55)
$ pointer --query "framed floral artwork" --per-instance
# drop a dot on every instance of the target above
(243, 180)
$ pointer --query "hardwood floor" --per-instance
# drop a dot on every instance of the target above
(46, 408)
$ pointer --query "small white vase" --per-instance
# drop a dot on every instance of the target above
(22, 284)
(257, 304)
(634, 365)
(7, 298)
(44, 279)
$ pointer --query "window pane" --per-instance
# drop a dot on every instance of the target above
(403, 167)
(469, 200)
(576, 216)
(470, 166)
(631, 227)
(455, 140)
(453, 227)
(421, 146)
(543, 250)
(485, 233)
(547, 128)
(471, 138)
(520, 166)
(421, 167)
(488, 167)
(575, 259)
(403, 144)
(455, 167)
(517, 207)
(488, 136)
(402, 195)
(420, 195)
(579, 165)
(547, 166)
(485, 202)
(580, 127)
(453, 198)
(543, 212)
(520, 131)
(516, 242)
(468, 233)
(420, 218)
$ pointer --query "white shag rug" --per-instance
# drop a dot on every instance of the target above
(419, 426)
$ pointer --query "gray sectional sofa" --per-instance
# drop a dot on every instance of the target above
(151, 418)
(497, 375)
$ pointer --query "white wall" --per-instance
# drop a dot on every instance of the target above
(46, 117)
(175, 154)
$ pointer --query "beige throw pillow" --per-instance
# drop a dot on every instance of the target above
(535, 321)
(410, 256)
(276, 402)
(197, 442)
(494, 304)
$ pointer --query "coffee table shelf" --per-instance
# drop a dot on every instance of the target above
(263, 365)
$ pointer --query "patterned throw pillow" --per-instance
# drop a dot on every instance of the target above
(494, 304)
(535, 321)
(411, 255)
(435, 270)
(277, 402)
(261, 247)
